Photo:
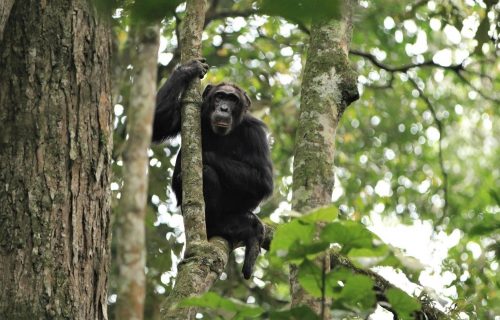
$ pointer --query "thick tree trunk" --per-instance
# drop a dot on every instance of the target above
(131, 233)
(55, 142)
(328, 87)
(5, 7)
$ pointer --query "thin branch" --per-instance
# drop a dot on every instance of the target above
(404, 68)
(485, 96)
(456, 68)
(323, 285)
(439, 126)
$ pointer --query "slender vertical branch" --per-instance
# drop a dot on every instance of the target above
(324, 268)
(193, 206)
(439, 125)
(130, 235)
(203, 261)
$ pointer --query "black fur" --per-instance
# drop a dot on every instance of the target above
(237, 169)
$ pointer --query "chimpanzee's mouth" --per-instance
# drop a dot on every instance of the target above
(222, 124)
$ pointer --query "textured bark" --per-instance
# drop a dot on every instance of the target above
(328, 86)
(130, 235)
(5, 7)
(193, 206)
(198, 271)
(204, 261)
(55, 142)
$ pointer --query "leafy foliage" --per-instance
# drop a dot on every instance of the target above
(214, 301)
(302, 11)
(390, 168)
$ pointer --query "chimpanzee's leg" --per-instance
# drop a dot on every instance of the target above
(245, 228)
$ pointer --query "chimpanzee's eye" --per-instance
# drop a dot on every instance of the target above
(232, 98)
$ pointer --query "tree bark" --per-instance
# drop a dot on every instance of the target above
(328, 87)
(5, 7)
(55, 142)
(193, 206)
(130, 235)
(203, 261)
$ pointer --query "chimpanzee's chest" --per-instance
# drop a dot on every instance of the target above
(225, 146)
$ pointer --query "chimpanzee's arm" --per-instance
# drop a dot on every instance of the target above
(167, 118)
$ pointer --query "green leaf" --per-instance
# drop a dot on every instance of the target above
(403, 304)
(358, 291)
(301, 251)
(310, 278)
(349, 234)
(213, 301)
(302, 10)
(490, 222)
(326, 214)
(379, 251)
(291, 234)
(495, 196)
(298, 313)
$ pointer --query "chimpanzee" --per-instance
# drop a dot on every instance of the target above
(237, 169)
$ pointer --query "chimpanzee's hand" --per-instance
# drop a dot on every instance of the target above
(194, 68)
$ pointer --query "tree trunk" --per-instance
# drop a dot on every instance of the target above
(328, 87)
(203, 261)
(131, 233)
(55, 142)
(5, 7)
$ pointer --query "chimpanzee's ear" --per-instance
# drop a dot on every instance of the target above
(247, 103)
(207, 90)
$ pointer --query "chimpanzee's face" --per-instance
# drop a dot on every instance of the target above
(226, 106)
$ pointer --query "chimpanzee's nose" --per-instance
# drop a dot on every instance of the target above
(224, 108)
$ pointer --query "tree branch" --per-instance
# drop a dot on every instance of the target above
(404, 68)
(439, 126)
(456, 68)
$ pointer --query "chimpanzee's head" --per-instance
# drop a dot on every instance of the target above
(224, 105)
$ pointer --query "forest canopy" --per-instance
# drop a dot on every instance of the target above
(415, 159)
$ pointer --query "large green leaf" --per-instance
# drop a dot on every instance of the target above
(403, 304)
(213, 301)
(298, 313)
(357, 292)
(294, 233)
(310, 278)
(325, 214)
(349, 234)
